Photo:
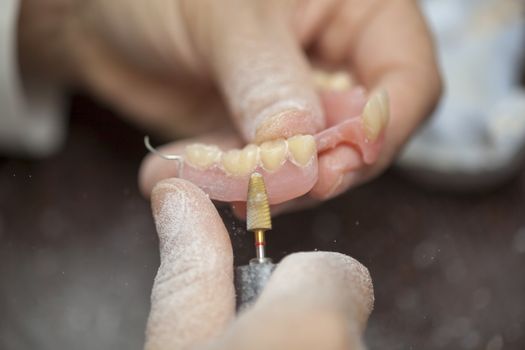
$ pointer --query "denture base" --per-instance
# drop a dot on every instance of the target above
(281, 185)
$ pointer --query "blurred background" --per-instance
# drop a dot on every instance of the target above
(443, 233)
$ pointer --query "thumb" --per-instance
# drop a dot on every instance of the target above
(192, 298)
(318, 300)
(260, 68)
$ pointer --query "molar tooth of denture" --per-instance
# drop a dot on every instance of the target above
(302, 149)
(240, 162)
(273, 154)
(320, 79)
(202, 156)
(338, 81)
(376, 114)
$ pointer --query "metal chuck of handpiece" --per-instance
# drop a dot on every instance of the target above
(251, 279)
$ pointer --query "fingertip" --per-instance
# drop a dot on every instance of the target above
(346, 275)
(288, 123)
(167, 187)
(325, 260)
(147, 178)
(155, 166)
(264, 75)
(324, 297)
(179, 206)
(154, 169)
(346, 284)
(334, 165)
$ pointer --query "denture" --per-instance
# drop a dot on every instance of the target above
(289, 166)
(285, 164)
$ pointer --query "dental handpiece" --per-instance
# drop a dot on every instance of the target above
(250, 279)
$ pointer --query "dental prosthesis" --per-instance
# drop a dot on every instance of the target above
(289, 166)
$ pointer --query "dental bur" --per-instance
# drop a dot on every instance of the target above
(258, 219)
(250, 279)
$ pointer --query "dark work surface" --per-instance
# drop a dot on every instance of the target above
(78, 251)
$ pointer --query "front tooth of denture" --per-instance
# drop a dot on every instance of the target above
(240, 162)
(202, 156)
(302, 149)
(273, 154)
(376, 114)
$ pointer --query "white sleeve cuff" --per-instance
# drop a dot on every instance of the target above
(31, 117)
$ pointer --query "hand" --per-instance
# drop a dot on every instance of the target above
(312, 301)
(186, 66)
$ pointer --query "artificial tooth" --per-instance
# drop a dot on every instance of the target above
(202, 156)
(376, 114)
(240, 162)
(302, 148)
(338, 81)
(273, 154)
(320, 79)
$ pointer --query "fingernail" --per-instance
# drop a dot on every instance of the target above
(286, 124)
(343, 185)
(335, 186)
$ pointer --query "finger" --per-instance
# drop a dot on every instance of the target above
(343, 28)
(388, 46)
(168, 107)
(395, 52)
(333, 166)
(193, 297)
(336, 163)
(312, 301)
(261, 69)
(311, 16)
